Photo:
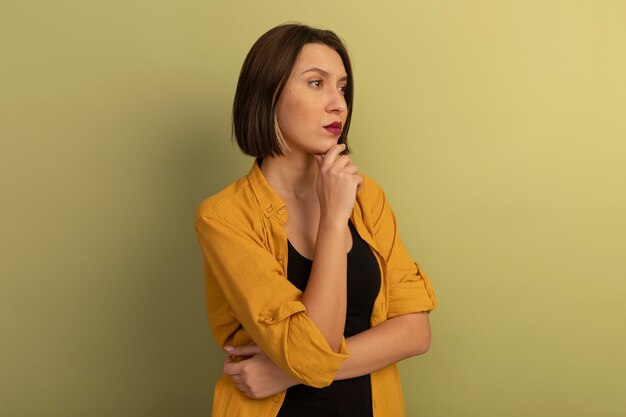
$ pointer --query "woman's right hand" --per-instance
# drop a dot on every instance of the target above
(337, 184)
(256, 375)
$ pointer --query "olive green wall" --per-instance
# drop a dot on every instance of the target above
(497, 128)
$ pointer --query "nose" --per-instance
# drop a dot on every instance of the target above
(336, 102)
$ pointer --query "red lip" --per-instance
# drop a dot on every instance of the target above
(334, 128)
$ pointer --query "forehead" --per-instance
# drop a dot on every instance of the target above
(320, 56)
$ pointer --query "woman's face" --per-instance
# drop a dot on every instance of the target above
(313, 99)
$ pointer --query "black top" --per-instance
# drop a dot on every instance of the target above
(349, 397)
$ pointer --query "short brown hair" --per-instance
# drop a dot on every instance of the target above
(263, 75)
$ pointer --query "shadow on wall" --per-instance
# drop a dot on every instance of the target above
(202, 161)
(173, 344)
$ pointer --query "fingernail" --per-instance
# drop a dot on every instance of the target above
(229, 348)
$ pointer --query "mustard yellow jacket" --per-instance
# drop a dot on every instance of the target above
(249, 299)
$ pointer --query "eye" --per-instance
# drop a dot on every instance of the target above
(316, 83)
(343, 89)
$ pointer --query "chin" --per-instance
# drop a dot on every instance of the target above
(318, 146)
(326, 147)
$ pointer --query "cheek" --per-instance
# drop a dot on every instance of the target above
(292, 110)
(284, 105)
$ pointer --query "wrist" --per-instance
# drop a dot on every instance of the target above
(332, 223)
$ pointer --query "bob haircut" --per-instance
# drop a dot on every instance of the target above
(265, 71)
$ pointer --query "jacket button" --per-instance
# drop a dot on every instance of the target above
(281, 211)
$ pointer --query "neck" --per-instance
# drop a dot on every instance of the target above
(292, 177)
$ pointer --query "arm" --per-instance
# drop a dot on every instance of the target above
(388, 343)
(325, 293)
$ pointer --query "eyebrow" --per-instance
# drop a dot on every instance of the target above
(323, 72)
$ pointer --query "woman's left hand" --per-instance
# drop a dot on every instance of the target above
(256, 375)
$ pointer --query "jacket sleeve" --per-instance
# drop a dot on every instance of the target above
(266, 304)
(410, 290)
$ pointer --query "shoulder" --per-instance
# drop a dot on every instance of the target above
(370, 187)
(231, 205)
(371, 194)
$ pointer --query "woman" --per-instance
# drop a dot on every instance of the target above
(309, 288)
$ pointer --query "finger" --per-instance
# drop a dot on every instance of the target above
(351, 169)
(341, 162)
(240, 384)
(244, 350)
(333, 153)
(359, 181)
(232, 368)
(237, 380)
(243, 388)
